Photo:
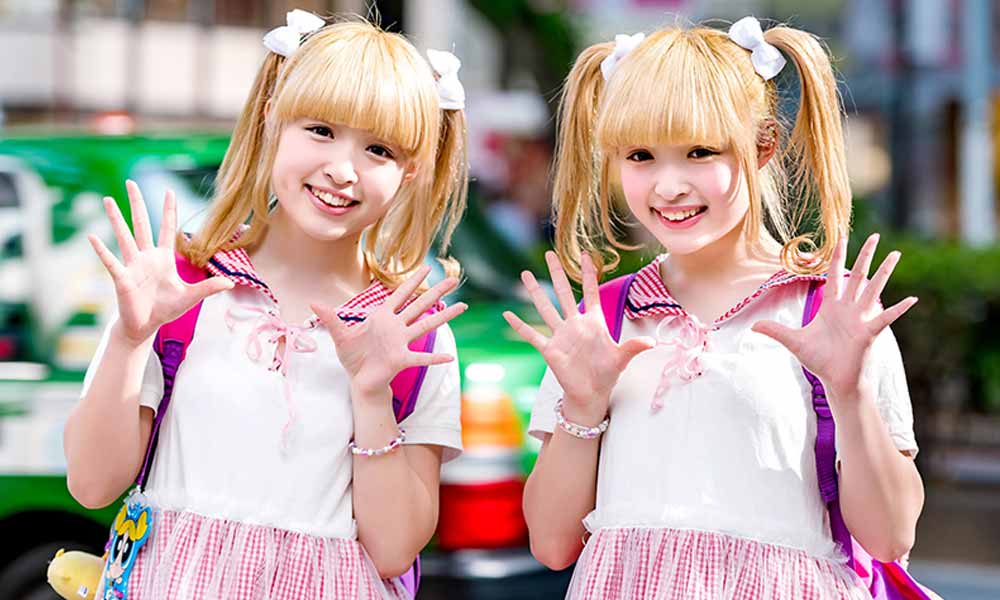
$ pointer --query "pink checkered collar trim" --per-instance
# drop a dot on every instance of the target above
(648, 296)
(235, 265)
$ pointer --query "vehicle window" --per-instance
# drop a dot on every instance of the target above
(8, 191)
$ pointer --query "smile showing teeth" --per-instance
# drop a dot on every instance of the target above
(679, 215)
(330, 199)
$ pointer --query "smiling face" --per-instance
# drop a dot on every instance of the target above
(333, 181)
(687, 196)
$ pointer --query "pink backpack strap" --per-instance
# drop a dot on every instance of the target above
(614, 295)
(171, 344)
(405, 389)
(406, 384)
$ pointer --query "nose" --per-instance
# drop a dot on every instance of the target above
(339, 168)
(671, 183)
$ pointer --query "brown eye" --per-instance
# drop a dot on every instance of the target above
(639, 156)
(702, 152)
(320, 130)
(380, 150)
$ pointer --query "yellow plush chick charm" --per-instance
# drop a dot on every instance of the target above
(74, 575)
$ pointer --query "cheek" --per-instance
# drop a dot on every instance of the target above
(387, 179)
(719, 180)
(635, 186)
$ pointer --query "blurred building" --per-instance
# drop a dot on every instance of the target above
(920, 76)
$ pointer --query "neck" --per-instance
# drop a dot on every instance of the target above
(285, 247)
(729, 258)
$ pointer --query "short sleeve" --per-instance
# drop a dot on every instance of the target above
(885, 371)
(543, 414)
(436, 418)
(151, 391)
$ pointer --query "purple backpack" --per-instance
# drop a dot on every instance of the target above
(885, 581)
(171, 344)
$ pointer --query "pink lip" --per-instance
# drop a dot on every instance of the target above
(326, 208)
(686, 223)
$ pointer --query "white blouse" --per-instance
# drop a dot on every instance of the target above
(731, 450)
(220, 451)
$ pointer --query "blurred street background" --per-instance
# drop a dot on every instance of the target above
(93, 91)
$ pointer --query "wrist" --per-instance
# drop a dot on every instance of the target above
(119, 336)
(369, 389)
(848, 392)
(590, 412)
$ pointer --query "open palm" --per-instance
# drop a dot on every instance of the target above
(584, 358)
(374, 351)
(150, 293)
(835, 345)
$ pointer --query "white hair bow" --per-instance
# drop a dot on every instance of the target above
(286, 40)
(767, 60)
(623, 45)
(450, 90)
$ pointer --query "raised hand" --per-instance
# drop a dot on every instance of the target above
(374, 351)
(586, 361)
(836, 344)
(149, 290)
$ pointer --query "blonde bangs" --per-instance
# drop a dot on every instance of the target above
(354, 79)
(639, 108)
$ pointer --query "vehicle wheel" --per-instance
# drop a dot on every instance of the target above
(24, 577)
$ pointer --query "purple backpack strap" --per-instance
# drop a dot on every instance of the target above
(613, 296)
(171, 344)
(826, 451)
(886, 581)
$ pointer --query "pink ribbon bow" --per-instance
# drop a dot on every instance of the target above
(685, 363)
(267, 321)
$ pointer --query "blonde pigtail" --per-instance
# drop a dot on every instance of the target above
(240, 174)
(815, 150)
(578, 167)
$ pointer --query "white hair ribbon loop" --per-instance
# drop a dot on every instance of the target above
(285, 40)
(767, 60)
(624, 44)
(450, 90)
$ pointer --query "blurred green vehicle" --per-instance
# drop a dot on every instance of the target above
(55, 299)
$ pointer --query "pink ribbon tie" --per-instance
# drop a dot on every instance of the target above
(685, 362)
(267, 321)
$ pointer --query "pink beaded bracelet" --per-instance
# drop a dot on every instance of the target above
(580, 431)
(395, 443)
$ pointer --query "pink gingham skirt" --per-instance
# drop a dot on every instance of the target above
(671, 564)
(193, 557)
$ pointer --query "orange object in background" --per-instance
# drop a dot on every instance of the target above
(489, 419)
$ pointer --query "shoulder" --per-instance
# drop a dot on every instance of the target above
(444, 340)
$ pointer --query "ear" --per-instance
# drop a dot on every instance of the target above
(410, 171)
(767, 141)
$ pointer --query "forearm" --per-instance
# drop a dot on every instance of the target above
(395, 509)
(881, 493)
(559, 493)
(102, 439)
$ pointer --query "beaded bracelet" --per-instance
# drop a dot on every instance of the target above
(395, 443)
(580, 431)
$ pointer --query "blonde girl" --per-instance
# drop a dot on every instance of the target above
(280, 470)
(678, 448)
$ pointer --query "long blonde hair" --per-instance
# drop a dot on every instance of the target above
(697, 86)
(352, 73)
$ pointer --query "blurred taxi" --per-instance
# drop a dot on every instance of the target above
(55, 299)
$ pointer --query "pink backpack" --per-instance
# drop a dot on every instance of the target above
(171, 344)
(885, 581)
